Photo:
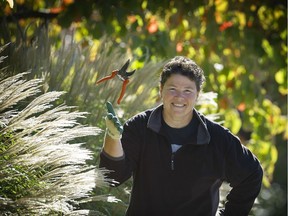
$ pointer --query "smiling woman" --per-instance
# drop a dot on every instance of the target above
(178, 157)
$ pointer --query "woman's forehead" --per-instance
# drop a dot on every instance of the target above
(181, 80)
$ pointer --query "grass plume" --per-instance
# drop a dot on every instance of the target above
(43, 169)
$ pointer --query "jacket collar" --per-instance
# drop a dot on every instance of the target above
(203, 135)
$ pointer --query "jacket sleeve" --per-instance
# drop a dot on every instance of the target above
(121, 169)
(244, 173)
(115, 169)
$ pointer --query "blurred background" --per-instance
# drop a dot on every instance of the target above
(241, 46)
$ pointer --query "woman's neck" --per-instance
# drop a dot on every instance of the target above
(174, 122)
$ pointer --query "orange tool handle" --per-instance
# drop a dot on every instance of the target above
(125, 82)
(113, 74)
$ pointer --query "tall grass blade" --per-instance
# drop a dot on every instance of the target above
(43, 169)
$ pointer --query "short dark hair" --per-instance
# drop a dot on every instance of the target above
(183, 66)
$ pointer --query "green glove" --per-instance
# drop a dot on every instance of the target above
(113, 125)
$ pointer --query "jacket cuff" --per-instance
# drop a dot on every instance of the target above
(103, 153)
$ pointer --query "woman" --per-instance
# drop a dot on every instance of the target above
(177, 157)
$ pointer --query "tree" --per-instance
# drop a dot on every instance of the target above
(240, 44)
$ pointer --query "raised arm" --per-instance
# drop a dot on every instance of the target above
(112, 156)
(112, 145)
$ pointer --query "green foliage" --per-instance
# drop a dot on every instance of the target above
(241, 45)
(19, 180)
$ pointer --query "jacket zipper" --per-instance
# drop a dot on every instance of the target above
(172, 161)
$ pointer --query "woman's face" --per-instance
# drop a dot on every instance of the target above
(179, 95)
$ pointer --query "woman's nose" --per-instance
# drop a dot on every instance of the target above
(178, 94)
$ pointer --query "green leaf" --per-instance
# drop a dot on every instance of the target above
(280, 76)
(232, 120)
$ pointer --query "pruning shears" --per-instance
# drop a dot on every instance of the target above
(123, 75)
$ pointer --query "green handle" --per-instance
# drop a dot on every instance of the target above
(110, 108)
(112, 116)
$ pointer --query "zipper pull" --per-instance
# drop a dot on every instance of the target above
(172, 161)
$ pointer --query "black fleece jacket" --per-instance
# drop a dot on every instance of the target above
(191, 185)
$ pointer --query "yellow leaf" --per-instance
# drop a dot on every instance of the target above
(267, 47)
(241, 19)
(185, 23)
(232, 121)
(280, 76)
(221, 5)
(11, 3)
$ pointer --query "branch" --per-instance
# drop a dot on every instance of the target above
(29, 14)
